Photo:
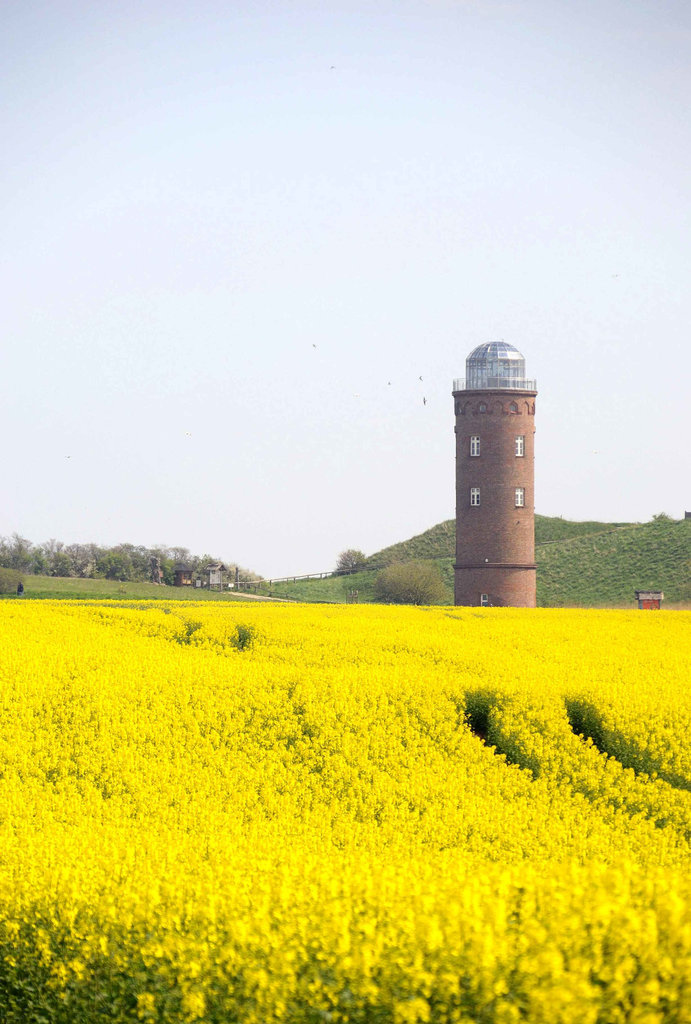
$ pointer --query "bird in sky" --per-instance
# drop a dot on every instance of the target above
(313, 345)
(419, 378)
(424, 401)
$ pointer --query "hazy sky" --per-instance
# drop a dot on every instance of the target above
(236, 234)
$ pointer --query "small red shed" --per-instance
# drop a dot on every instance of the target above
(649, 599)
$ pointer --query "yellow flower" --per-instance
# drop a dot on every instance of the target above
(146, 1005)
(386, 812)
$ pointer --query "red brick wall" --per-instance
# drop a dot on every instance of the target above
(495, 542)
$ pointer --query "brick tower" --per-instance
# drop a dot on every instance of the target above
(495, 515)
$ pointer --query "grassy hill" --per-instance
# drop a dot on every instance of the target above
(583, 564)
(437, 542)
(440, 540)
(604, 569)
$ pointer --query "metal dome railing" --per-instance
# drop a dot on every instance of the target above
(495, 383)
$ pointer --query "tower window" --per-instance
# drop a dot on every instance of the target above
(474, 495)
(513, 407)
(520, 497)
(482, 407)
(475, 445)
(520, 444)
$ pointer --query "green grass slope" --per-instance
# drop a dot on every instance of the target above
(440, 540)
(553, 528)
(332, 590)
(604, 569)
(580, 564)
(437, 542)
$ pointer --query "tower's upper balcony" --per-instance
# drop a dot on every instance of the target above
(490, 383)
(494, 365)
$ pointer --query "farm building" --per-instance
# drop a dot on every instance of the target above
(183, 575)
(212, 574)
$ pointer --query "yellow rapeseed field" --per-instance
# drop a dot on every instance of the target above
(257, 813)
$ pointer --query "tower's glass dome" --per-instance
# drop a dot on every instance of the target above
(495, 365)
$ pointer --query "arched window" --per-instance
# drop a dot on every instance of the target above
(482, 407)
(513, 407)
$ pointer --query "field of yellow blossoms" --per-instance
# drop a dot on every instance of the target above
(250, 812)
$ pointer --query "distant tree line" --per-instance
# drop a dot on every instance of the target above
(124, 562)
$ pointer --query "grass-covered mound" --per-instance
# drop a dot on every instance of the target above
(588, 564)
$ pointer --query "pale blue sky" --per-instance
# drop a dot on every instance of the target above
(227, 227)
